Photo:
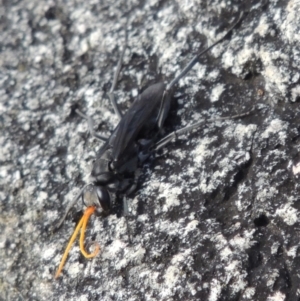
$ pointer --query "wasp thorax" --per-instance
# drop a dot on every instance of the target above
(101, 172)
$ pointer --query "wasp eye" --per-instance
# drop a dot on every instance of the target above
(103, 197)
(96, 196)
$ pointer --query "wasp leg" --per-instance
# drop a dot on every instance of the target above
(91, 126)
(126, 212)
(126, 216)
(133, 186)
(115, 80)
(167, 139)
(165, 102)
(164, 109)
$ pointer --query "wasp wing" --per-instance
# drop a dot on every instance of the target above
(138, 115)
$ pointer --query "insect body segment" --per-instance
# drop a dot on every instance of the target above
(119, 158)
(116, 168)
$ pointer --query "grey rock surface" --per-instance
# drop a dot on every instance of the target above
(216, 213)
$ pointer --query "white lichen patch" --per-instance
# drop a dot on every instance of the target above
(290, 22)
(191, 226)
(266, 193)
(243, 132)
(278, 127)
(202, 151)
(74, 269)
(48, 252)
(215, 290)
(277, 296)
(244, 241)
(263, 27)
(216, 92)
(288, 213)
(171, 277)
(170, 193)
(296, 169)
(296, 93)
(292, 251)
(249, 293)
(113, 249)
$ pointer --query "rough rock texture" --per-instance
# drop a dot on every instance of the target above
(215, 216)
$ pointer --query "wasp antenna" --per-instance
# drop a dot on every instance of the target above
(81, 225)
(64, 258)
(89, 211)
(195, 59)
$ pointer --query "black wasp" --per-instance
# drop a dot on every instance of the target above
(116, 168)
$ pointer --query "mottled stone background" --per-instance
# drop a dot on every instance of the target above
(216, 213)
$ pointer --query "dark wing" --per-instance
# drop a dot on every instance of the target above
(103, 149)
(137, 116)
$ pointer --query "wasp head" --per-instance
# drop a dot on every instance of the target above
(94, 195)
